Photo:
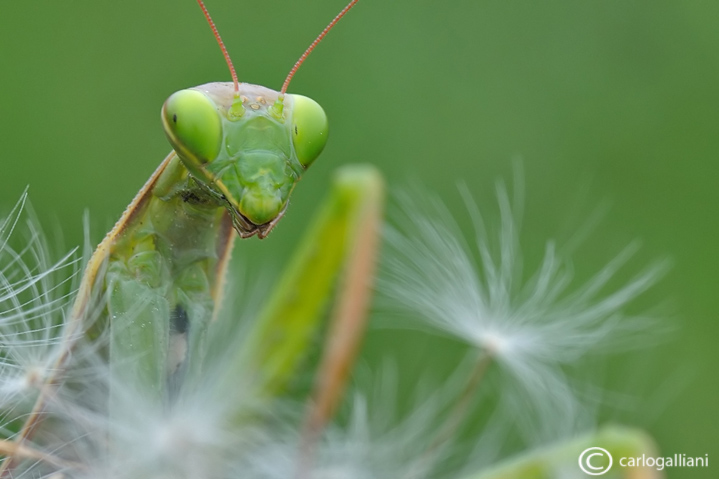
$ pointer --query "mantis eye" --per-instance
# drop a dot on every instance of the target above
(193, 125)
(309, 129)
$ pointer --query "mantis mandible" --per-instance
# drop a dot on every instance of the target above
(238, 152)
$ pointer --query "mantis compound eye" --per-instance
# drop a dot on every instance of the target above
(309, 129)
(193, 125)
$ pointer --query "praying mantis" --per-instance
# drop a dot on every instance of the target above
(154, 285)
(238, 152)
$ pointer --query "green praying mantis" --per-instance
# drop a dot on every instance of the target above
(238, 152)
(154, 285)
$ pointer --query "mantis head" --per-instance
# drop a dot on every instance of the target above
(246, 149)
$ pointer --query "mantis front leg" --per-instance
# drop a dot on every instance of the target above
(164, 271)
(158, 323)
(340, 247)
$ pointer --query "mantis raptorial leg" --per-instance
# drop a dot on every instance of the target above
(238, 151)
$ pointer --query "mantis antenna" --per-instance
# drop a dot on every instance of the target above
(313, 45)
(222, 47)
(296, 65)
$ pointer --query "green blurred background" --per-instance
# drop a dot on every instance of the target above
(605, 102)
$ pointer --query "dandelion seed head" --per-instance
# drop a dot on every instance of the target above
(194, 438)
(534, 325)
(371, 439)
(34, 294)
